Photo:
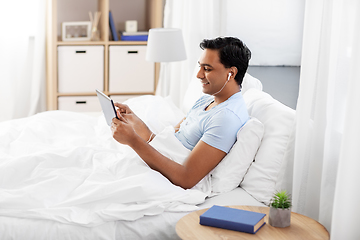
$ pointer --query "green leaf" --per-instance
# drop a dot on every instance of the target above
(281, 200)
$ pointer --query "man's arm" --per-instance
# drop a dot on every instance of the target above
(202, 159)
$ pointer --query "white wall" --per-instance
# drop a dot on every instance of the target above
(272, 29)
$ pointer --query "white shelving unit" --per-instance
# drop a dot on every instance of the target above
(61, 68)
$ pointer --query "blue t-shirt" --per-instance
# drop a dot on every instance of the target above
(217, 127)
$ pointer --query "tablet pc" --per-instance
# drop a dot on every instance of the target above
(107, 106)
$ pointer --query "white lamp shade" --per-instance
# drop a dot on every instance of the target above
(165, 45)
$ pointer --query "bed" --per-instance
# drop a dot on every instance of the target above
(59, 171)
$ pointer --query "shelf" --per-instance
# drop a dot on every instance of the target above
(72, 43)
(148, 13)
(127, 43)
(130, 93)
(105, 92)
(76, 94)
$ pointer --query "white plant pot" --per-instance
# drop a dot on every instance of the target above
(279, 217)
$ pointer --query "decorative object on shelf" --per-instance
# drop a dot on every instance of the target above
(131, 26)
(95, 33)
(233, 219)
(280, 210)
(112, 28)
(134, 36)
(76, 31)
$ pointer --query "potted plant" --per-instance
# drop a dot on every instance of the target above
(280, 209)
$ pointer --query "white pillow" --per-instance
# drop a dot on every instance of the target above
(279, 122)
(228, 174)
(250, 82)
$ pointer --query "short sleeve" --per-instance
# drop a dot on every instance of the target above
(220, 131)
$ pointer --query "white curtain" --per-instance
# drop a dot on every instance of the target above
(198, 19)
(327, 156)
(22, 58)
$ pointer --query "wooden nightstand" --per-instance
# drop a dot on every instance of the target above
(301, 227)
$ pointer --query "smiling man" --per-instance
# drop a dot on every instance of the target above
(210, 128)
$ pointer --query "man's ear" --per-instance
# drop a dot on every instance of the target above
(233, 71)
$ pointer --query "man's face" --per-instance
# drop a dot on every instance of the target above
(212, 72)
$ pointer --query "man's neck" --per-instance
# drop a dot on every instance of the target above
(226, 94)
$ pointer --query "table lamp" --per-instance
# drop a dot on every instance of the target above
(165, 45)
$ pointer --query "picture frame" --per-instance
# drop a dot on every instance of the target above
(76, 31)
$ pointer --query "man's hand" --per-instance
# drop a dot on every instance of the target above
(122, 131)
(129, 117)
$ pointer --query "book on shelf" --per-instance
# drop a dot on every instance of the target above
(112, 28)
(134, 36)
(233, 219)
(134, 33)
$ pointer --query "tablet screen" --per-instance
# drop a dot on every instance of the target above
(107, 106)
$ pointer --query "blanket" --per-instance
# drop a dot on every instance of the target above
(66, 167)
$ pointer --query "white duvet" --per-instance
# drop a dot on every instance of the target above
(66, 167)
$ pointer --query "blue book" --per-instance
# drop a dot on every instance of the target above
(134, 38)
(233, 219)
(112, 27)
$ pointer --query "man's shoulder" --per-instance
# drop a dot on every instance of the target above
(234, 111)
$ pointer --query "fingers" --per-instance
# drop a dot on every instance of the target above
(117, 121)
(113, 125)
(120, 105)
(120, 113)
(121, 118)
(123, 108)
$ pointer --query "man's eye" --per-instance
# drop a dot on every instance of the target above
(207, 69)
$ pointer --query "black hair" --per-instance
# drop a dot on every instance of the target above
(232, 52)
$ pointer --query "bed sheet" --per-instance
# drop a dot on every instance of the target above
(67, 167)
(153, 221)
(149, 227)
